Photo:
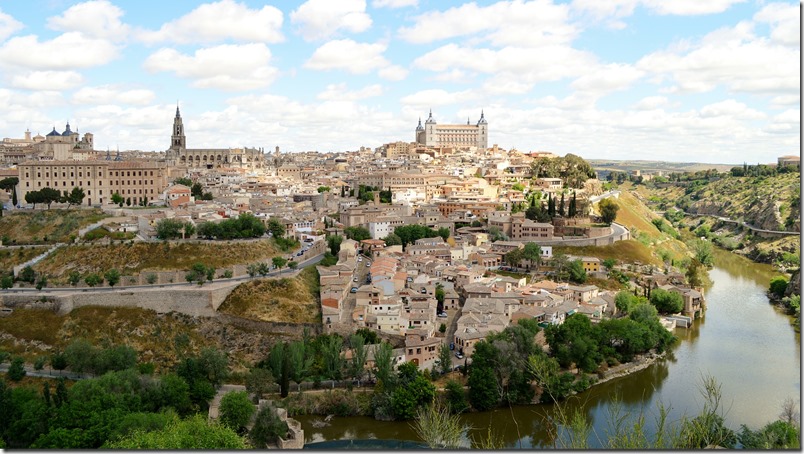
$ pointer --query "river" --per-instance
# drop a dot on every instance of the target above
(746, 344)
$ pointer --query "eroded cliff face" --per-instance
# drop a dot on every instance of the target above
(764, 215)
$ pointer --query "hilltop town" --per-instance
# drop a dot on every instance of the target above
(435, 242)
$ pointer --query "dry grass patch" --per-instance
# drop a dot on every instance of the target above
(274, 300)
(39, 325)
(55, 225)
(11, 257)
(132, 258)
(624, 251)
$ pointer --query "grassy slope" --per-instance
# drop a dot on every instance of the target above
(624, 251)
(9, 258)
(132, 258)
(57, 225)
(33, 332)
(636, 216)
(292, 300)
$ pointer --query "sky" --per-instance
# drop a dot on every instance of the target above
(713, 81)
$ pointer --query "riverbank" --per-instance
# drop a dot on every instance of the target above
(640, 362)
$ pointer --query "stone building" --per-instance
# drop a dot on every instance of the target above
(138, 180)
(179, 155)
(458, 136)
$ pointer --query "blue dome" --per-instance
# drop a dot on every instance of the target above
(53, 133)
(67, 131)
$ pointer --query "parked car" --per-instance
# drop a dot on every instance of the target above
(354, 279)
(442, 315)
(353, 290)
(459, 355)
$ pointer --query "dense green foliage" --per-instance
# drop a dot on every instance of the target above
(778, 286)
(244, 226)
(195, 432)
(608, 210)
(410, 233)
(236, 410)
(573, 169)
(167, 229)
(666, 302)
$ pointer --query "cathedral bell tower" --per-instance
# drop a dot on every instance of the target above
(178, 140)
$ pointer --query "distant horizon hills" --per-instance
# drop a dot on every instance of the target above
(664, 166)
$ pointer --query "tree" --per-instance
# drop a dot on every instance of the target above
(128, 201)
(236, 410)
(42, 282)
(331, 356)
(184, 181)
(34, 197)
(456, 397)
(551, 205)
(608, 210)
(76, 197)
(276, 228)
(279, 262)
(392, 240)
(610, 263)
(778, 286)
(533, 253)
(702, 251)
(93, 279)
(117, 199)
(268, 428)
(74, 278)
(259, 382)
(323, 189)
(6, 282)
(443, 232)
(16, 371)
(577, 273)
(666, 302)
(174, 228)
(49, 195)
(359, 355)
(112, 277)
(625, 301)
(334, 244)
(514, 257)
(444, 361)
(693, 274)
(573, 206)
(561, 205)
(58, 361)
(27, 274)
(81, 356)
(357, 233)
(384, 364)
(483, 391)
(414, 391)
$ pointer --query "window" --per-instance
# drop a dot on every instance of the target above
(47, 174)
(89, 192)
(80, 174)
(26, 175)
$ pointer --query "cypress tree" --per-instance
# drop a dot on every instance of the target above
(561, 205)
(573, 207)
(551, 205)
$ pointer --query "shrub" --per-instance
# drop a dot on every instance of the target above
(268, 428)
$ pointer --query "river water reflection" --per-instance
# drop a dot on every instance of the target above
(744, 342)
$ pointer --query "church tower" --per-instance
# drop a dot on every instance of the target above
(178, 140)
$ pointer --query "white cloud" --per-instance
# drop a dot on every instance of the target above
(393, 72)
(97, 19)
(226, 67)
(111, 94)
(651, 102)
(339, 92)
(732, 57)
(320, 19)
(47, 80)
(66, 51)
(354, 57)
(607, 78)
(514, 23)
(689, 7)
(784, 21)
(394, 3)
(8, 25)
(221, 21)
(517, 68)
(785, 100)
(437, 97)
(731, 108)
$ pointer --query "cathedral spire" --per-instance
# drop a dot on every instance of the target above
(178, 115)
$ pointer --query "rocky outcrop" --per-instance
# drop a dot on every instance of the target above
(794, 286)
